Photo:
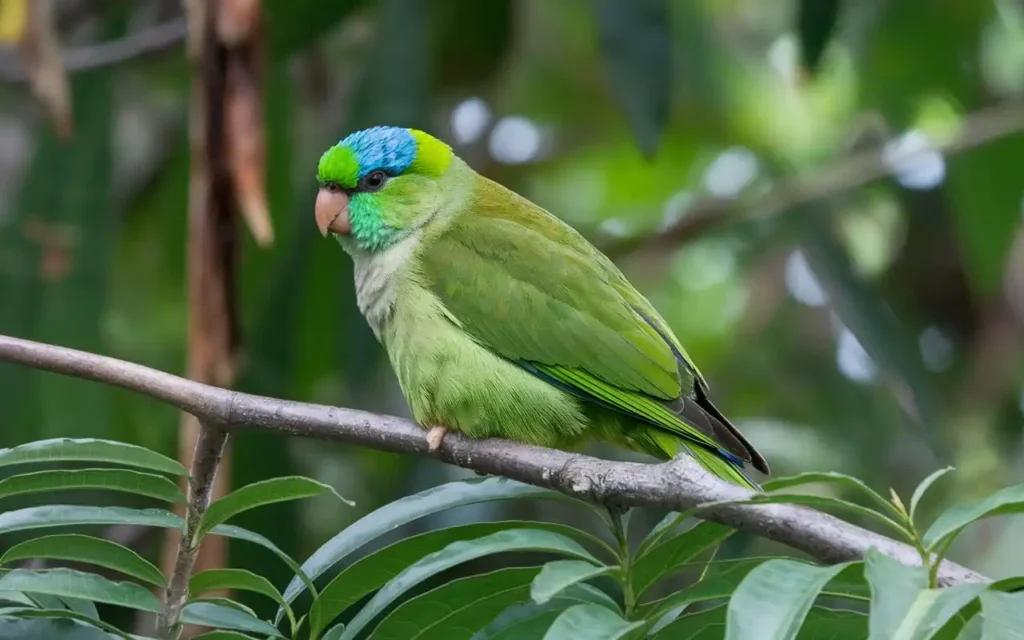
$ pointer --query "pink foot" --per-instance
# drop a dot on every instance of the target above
(434, 438)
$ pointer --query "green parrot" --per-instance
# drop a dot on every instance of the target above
(500, 320)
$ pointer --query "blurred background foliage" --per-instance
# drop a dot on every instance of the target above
(824, 198)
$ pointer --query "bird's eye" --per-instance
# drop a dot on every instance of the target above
(333, 187)
(373, 181)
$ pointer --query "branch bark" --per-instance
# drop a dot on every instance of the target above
(680, 484)
(856, 171)
(150, 41)
(209, 448)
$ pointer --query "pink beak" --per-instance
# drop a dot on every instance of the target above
(332, 212)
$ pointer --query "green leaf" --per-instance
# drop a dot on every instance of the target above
(894, 588)
(933, 608)
(816, 21)
(144, 484)
(15, 597)
(531, 620)
(660, 530)
(673, 555)
(55, 624)
(985, 196)
(399, 512)
(919, 492)
(90, 450)
(74, 515)
(558, 575)
(458, 553)
(238, 533)
(590, 622)
(232, 579)
(773, 599)
(221, 634)
(372, 571)
(636, 47)
(262, 493)
(210, 614)
(77, 584)
(88, 549)
(834, 624)
(334, 633)
(1002, 616)
(708, 624)
(457, 609)
(953, 520)
(839, 479)
(825, 503)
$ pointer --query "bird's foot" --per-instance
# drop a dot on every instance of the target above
(434, 438)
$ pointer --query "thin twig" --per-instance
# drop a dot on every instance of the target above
(681, 484)
(209, 449)
(149, 41)
(856, 171)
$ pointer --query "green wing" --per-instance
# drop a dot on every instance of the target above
(534, 291)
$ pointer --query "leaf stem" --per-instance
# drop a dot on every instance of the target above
(625, 561)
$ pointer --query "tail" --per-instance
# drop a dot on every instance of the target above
(719, 462)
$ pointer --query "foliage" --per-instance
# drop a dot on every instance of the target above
(523, 578)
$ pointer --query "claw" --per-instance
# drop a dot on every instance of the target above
(434, 438)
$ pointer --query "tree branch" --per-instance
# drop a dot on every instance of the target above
(680, 484)
(856, 171)
(143, 43)
(209, 449)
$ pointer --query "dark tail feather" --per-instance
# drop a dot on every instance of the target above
(724, 431)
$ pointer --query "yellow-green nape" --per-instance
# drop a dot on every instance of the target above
(432, 155)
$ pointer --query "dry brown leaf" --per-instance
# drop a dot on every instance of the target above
(237, 21)
(246, 150)
(40, 55)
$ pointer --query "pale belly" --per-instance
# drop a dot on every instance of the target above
(449, 380)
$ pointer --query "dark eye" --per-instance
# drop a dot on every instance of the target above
(333, 187)
(373, 181)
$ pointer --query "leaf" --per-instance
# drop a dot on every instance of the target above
(949, 524)
(15, 597)
(374, 570)
(590, 622)
(88, 549)
(399, 512)
(834, 624)
(922, 488)
(209, 614)
(81, 606)
(636, 47)
(73, 515)
(57, 624)
(708, 624)
(660, 530)
(773, 599)
(985, 197)
(77, 584)
(673, 555)
(221, 634)
(232, 579)
(144, 484)
(530, 620)
(458, 553)
(933, 608)
(816, 21)
(457, 609)
(262, 493)
(1002, 616)
(558, 575)
(894, 588)
(724, 576)
(821, 502)
(90, 450)
(839, 479)
(238, 533)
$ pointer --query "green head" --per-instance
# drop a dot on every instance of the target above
(379, 184)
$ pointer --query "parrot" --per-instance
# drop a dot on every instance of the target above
(502, 321)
